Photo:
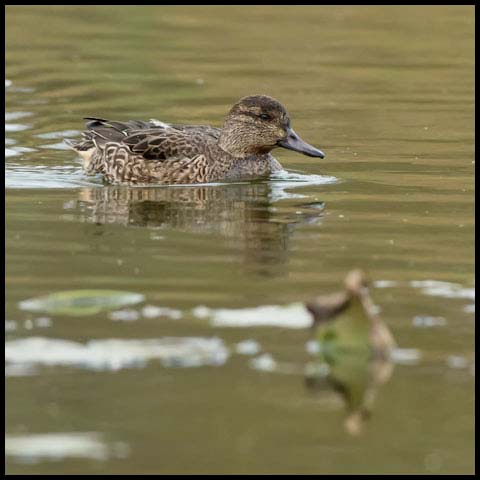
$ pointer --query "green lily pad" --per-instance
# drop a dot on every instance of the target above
(81, 302)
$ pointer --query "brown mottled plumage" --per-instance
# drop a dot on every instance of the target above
(137, 152)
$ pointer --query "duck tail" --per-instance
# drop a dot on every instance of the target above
(79, 145)
(71, 143)
(84, 148)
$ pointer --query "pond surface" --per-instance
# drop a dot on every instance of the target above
(202, 372)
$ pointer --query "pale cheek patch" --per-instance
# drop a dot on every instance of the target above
(86, 155)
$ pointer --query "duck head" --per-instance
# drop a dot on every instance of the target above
(356, 282)
(257, 124)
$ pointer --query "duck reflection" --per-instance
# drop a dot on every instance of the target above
(355, 379)
(242, 213)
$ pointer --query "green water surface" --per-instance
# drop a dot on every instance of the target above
(386, 92)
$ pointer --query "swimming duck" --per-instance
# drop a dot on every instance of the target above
(138, 152)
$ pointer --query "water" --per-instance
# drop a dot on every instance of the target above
(387, 93)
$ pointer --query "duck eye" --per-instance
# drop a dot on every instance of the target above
(265, 116)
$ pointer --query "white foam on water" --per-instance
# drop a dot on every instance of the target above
(59, 135)
(424, 321)
(17, 150)
(43, 322)
(33, 448)
(9, 85)
(9, 116)
(10, 153)
(248, 347)
(289, 316)
(406, 356)
(457, 361)
(265, 363)
(385, 284)
(41, 176)
(443, 289)
(201, 311)
(116, 354)
(10, 325)
(293, 179)
(312, 347)
(16, 127)
(283, 179)
(56, 146)
(20, 370)
(126, 315)
(469, 308)
(434, 288)
(152, 311)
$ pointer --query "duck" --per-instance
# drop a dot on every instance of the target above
(358, 324)
(139, 152)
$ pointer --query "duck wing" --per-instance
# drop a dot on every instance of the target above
(153, 140)
(213, 132)
(325, 307)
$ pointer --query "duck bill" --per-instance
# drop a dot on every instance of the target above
(293, 142)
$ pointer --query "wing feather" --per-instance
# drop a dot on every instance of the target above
(152, 140)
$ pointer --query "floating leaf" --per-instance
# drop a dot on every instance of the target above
(81, 302)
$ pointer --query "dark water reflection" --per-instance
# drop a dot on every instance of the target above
(244, 214)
